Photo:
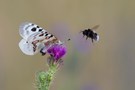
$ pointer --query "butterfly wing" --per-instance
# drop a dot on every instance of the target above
(30, 32)
(26, 29)
(29, 48)
(26, 47)
(37, 36)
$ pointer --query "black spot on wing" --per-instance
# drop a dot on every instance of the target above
(37, 26)
(46, 34)
(41, 35)
(32, 24)
(33, 29)
(40, 30)
(51, 36)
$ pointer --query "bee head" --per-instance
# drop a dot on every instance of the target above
(85, 32)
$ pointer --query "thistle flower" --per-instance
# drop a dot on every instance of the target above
(44, 79)
(57, 51)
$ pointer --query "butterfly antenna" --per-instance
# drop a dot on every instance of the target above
(69, 39)
(65, 41)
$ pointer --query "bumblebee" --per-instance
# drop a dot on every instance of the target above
(90, 33)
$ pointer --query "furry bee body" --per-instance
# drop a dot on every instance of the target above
(89, 33)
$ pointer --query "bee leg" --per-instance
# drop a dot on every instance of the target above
(92, 40)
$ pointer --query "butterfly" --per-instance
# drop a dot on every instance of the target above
(35, 39)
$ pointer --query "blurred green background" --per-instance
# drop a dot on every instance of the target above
(108, 65)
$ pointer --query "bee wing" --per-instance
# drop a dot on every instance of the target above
(26, 29)
(95, 27)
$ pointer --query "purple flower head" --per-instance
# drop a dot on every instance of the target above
(57, 51)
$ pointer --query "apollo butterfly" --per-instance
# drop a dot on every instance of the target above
(35, 39)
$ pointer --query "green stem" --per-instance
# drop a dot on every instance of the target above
(44, 79)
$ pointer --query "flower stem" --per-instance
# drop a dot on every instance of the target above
(44, 79)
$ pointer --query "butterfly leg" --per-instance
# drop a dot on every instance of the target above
(43, 53)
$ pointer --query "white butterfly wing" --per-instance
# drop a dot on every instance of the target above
(29, 48)
(26, 29)
(26, 47)
(37, 36)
